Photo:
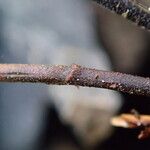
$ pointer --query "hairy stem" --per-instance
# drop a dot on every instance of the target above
(138, 11)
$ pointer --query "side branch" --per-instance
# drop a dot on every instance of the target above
(75, 75)
(138, 11)
(132, 121)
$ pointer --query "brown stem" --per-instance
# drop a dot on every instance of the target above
(132, 121)
(75, 75)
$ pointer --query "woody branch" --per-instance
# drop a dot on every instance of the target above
(75, 75)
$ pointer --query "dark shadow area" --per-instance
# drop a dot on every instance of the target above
(56, 133)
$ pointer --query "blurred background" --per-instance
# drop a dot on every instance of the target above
(36, 116)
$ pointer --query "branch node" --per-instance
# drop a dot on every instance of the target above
(71, 76)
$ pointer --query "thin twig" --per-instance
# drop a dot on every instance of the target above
(131, 121)
(138, 11)
(75, 75)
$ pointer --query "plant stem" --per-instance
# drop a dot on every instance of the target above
(132, 121)
(75, 75)
(129, 9)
